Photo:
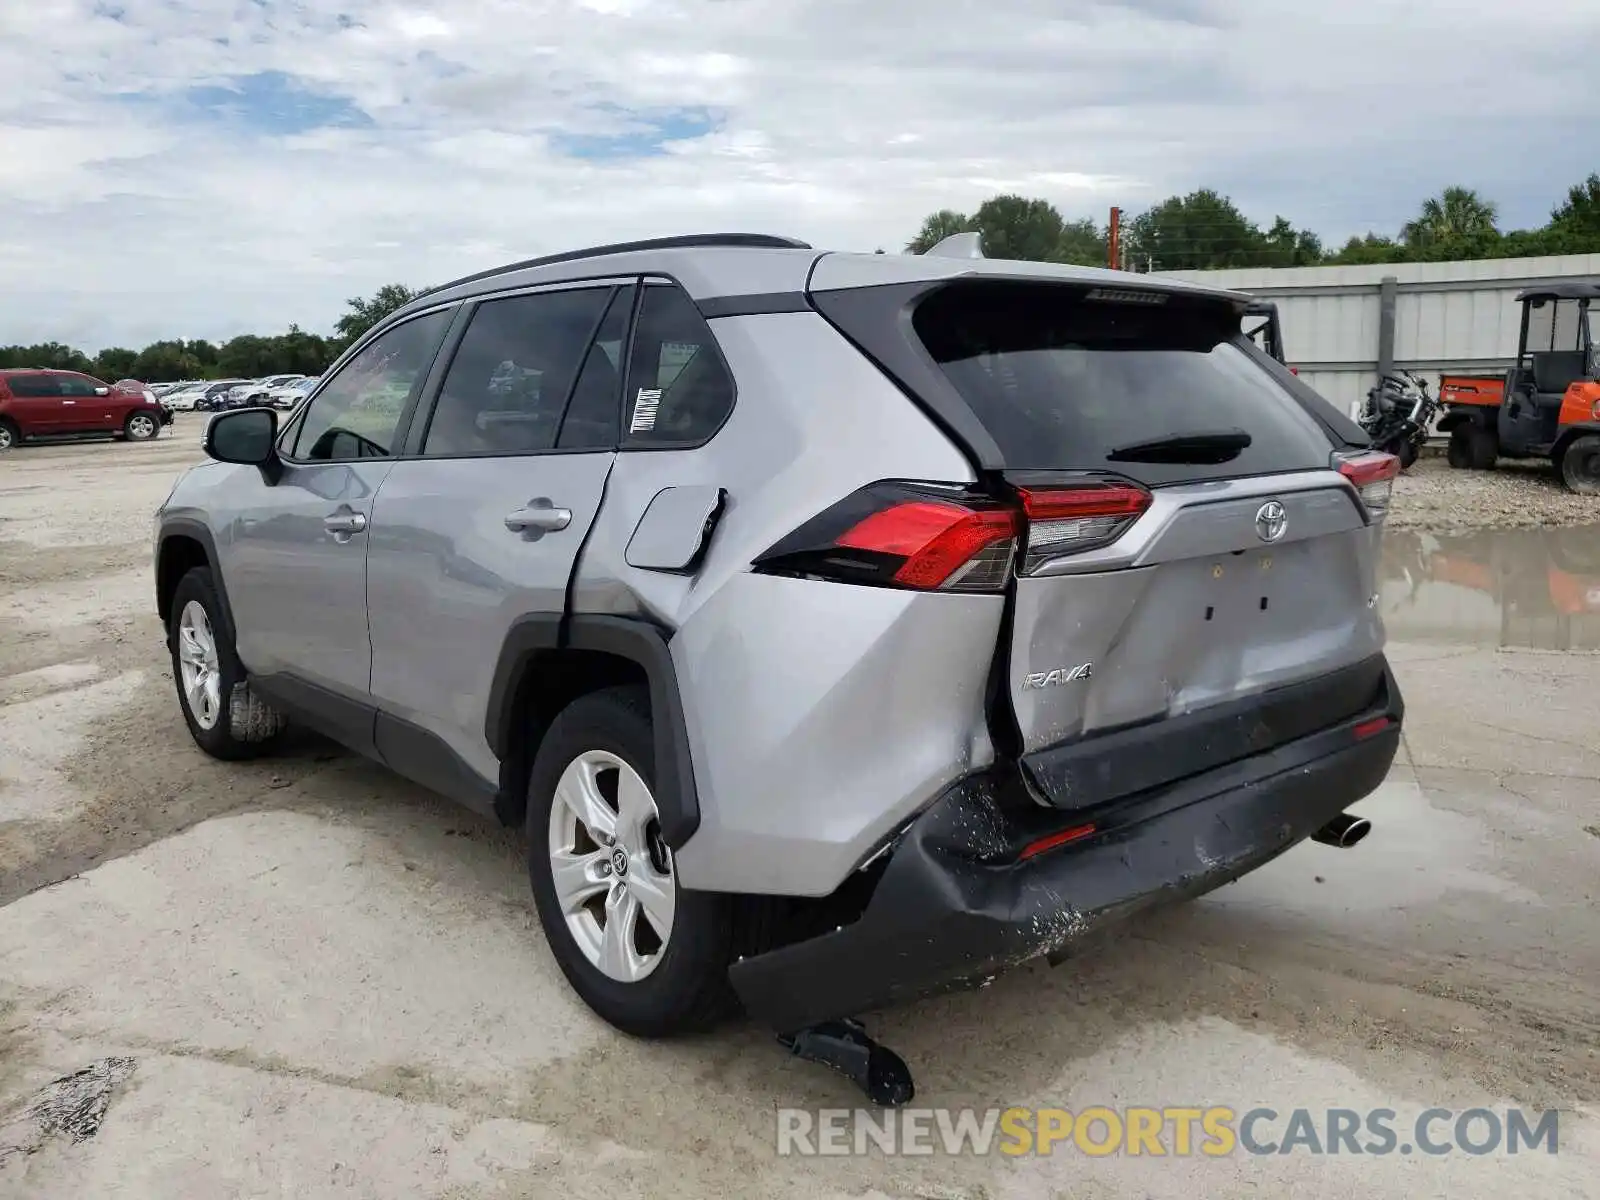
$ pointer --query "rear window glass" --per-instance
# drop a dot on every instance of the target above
(1065, 381)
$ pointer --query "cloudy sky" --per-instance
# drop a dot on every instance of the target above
(200, 168)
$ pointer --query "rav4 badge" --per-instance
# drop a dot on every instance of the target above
(1056, 678)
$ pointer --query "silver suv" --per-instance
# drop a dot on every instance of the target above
(840, 628)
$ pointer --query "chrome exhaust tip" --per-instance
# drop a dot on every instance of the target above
(1343, 831)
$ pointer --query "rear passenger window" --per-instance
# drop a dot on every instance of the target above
(510, 379)
(591, 418)
(34, 385)
(679, 391)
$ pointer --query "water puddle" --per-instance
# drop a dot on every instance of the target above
(1417, 854)
(1533, 589)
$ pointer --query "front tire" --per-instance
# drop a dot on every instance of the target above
(225, 718)
(140, 427)
(648, 956)
(1580, 465)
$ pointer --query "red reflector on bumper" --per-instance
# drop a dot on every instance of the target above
(1051, 841)
(1371, 728)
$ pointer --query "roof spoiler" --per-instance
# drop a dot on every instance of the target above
(958, 245)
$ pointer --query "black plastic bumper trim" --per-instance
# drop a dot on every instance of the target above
(954, 906)
(1105, 767)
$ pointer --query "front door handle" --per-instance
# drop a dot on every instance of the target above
(540, 516)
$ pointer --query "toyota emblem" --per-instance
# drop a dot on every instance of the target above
(1271, 521)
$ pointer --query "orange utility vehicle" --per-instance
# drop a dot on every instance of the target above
(1548, 403)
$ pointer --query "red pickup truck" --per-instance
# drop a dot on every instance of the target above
(40, 403)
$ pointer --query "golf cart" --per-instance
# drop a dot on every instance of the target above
(1549, 404)
(1260, 324)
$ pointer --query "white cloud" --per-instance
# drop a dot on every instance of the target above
(128, 213)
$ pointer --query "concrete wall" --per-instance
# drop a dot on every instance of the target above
(1454, 316)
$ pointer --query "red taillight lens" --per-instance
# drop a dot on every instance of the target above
(942, 544)
(1070, 520)
(1372, 728)
(907, 535)
(1050, 841)
(1372, 475)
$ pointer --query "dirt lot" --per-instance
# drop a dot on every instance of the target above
(307, 978)
(1514, 495)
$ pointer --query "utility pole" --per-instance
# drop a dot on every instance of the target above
(1114, 239)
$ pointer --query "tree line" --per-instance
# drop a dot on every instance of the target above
(248, 356)
(1201, 231)
(1206, 231)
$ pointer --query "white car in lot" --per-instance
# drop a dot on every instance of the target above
(182, 397)
(256, 392)
(290, 394)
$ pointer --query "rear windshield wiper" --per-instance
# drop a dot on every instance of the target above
(1211, 446)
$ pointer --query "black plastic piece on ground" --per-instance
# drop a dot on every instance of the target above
(846, 1047)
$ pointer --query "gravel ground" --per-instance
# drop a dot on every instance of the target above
(1515, 495)
(305, 977)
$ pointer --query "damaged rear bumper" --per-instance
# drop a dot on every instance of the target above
(958, 900)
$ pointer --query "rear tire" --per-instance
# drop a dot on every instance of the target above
(603, 927)
(1459, 453)
(10, 435)
(225, 718)
(1483, 449)
(141, 427)
(1406, 452)
(1580, 465)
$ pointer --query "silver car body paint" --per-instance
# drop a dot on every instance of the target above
(820, 716)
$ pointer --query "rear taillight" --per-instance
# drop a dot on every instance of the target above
(921, 536)
(1372, 474)
(938, 537)
(1070, 520)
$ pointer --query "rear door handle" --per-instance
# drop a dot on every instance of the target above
(540, 516)
(344, 522)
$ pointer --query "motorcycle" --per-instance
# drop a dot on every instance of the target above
(1397, 414)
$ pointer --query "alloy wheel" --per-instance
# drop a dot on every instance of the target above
(611, 871)
(197, 665)
(142, 426)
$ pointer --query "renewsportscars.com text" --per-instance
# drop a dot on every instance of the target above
(1209, 1132)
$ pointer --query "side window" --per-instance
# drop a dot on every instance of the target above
(679, 391)
(76, 385)
(508, 383)
(357, 414)
(591, 419)
(34, 385)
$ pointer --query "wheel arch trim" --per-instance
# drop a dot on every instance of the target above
(175, 527)
(638, 641)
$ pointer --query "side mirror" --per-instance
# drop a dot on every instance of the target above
(247, 436)
(102, 391)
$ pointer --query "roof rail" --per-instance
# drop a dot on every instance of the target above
(680, 242)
